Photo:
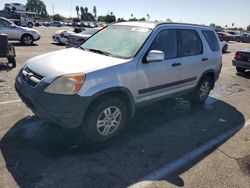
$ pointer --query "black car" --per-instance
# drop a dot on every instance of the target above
(242, 60)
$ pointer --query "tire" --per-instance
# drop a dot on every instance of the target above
(240, 70)
(224, 49)
(11, 60)
(202, 91)
(30, 25)
(27, 39)
(110, 113)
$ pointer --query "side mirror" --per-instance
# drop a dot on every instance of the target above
(155, 56)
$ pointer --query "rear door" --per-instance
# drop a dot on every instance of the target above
(191, 51)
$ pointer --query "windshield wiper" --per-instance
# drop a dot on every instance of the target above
(98, 51)
(81, 47)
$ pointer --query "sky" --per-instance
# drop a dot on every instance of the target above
(220, 12)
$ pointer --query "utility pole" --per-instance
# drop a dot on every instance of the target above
(53, 9)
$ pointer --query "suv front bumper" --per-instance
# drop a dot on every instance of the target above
(65, 110)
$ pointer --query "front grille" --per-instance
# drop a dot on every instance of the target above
(31, 77)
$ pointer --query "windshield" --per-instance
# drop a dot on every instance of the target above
(118, 41)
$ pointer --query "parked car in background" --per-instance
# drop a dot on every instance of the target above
(14, 7)
(25, 35)
(244, 37)
(55, 24)
(75, 39)
(61, 36)
(242, 60)
(223, 46)
(97, 87)
(225, 36)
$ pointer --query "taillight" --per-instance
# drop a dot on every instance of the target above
(80, 41)
(238, 56)
(62, 34)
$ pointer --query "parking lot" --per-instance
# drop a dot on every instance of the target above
(171, 143)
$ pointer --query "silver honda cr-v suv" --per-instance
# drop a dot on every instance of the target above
(99, 85)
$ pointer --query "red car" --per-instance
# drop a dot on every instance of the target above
(225, 36)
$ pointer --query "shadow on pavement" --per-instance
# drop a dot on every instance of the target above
(58, 44)
(244, 75)
(19, 44)
(39, 154)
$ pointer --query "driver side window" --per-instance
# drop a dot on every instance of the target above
(4, 23)
(166, 41)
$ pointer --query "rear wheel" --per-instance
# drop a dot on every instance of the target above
(240, 70)
(105, 119)
(203, 90)
(12, 61)
(30, 25)
(27, 39)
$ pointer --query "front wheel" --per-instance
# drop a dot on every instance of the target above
(203, 90)
(106, 118)
(27, 39)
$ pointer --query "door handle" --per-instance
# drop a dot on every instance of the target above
(204, 59)
(176, 64)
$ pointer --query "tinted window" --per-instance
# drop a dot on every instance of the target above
(190, 43)
(4, 23)
(166, 41)
(211, 40)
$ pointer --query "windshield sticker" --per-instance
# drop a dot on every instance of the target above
(139, 29)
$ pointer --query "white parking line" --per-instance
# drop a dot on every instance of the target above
(171, 167)
(8, 102)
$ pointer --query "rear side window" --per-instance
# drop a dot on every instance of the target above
(166, 41)
(211, 40)
(190, 43)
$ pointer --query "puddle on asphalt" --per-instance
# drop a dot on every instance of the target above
(184, 106)
(224, 90)
(244, 164)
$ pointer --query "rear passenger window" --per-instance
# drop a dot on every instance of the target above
(190, 43)
(211, 40)
(166, 41)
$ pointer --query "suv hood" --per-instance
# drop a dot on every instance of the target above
(28, 29)
(70, 61)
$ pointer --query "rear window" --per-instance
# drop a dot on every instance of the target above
(190, 43)
(211, 40)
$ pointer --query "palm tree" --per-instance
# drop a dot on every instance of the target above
(148, 17)
(82, 13)
(86, 10)
(77, 10)
(132, 15)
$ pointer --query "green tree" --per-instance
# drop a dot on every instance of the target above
(37, 6)
(248, 27)
(58, 17)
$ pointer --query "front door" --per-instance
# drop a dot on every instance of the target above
(156, 79)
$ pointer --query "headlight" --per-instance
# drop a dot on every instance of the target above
(66, 85)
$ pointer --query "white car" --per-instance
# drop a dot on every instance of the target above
(223, 46)
(61, 36)
(15, 6)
